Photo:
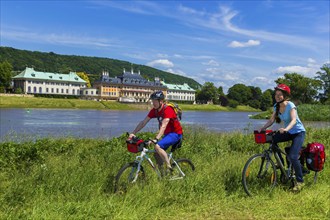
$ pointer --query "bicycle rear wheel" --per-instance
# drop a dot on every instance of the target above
(182, 168)
(259, 175)
(128, 175)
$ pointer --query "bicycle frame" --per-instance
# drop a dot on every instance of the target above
(144, 155)
(274, 148)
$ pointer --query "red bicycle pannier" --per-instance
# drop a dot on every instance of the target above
(135, 145)
(262, 137)
(315, 156)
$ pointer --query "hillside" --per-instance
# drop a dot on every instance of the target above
(93, 66)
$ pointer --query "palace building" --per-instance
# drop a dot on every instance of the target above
(35, 82)
(176, 92)
(128, 87)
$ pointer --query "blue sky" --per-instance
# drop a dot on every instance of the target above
(224, 42)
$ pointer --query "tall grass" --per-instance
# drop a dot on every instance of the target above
(73, 179)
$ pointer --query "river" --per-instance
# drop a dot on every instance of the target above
(24, 124)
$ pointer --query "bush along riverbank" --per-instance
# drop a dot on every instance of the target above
(73, 179)
(306, 112)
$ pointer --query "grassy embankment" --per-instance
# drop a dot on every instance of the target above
(72, 179)
(306, 112)
(39, 102)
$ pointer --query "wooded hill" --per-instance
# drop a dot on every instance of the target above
(92, 66)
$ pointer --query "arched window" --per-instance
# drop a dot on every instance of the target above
(40, 90)
(29, 89)
(34, 89)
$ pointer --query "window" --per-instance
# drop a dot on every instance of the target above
(40, 90)
(29, 89)
(57, 90)
(67, 91)
(34, 89)
(62, 90)
(47, 90)
(73, 91)
(52, 90)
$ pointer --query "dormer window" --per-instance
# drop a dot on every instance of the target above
(51, 77)
(60, 77)
(32, 74)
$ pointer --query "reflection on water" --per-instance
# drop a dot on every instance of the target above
(22, 124)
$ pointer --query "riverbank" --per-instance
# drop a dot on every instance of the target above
(40, 102)
(73, 179)
(306, 112)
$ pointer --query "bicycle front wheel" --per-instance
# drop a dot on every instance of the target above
(182, 168)
(259, 175)
(127, 175)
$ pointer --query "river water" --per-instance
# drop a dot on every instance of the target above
(23, 124)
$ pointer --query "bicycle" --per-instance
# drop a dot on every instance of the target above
(259, 173)
(134, 172)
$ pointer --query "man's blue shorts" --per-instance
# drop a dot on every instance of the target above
(168, 140)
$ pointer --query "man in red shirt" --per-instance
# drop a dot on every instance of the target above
(169, 126)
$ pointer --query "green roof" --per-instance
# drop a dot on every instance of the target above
(184, 87)
(30, 73)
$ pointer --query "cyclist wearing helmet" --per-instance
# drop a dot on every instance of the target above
(286, 111)
(170, 129)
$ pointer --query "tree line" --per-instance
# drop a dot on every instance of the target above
(303, 90)
(92, 66)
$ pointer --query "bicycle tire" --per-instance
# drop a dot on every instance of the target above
(259, 175)
(126, 175)
(186, 167)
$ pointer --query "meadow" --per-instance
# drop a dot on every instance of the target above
(72, 178)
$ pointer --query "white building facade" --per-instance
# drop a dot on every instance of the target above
(35, 82)
(183, 93)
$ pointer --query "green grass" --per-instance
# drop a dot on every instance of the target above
(306, 112)
(72, 178)
(40, 102)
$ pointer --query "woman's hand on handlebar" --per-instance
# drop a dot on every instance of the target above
(282, 130)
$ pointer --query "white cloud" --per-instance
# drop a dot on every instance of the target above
(311, 60)
(261, 79)
(160, 55)
(250, 43)
(308, 71)
(213, 70)
(161, 63)
(211, 63)
(55, 38)
(176, 71)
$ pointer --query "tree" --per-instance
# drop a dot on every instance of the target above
(303, 89)
(266, 100)
(207, 94)
(240, 93)
(324, 77)
(5, 74)
(84, 77)
(224, 100)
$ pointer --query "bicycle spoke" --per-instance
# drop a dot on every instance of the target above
(126, 176)
(259, 175)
